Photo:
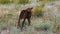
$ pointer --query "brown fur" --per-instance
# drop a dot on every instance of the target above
(25, 14)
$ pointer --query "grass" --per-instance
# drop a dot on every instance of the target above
(37, 23)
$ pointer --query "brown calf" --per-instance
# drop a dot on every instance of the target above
(25, 14)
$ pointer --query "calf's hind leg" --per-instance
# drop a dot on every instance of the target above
(29, 21)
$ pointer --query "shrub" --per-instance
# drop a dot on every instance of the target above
(8, 15)
(38, 11)
(43, 26)
(3, 26)
(23, 1)
(5, 1)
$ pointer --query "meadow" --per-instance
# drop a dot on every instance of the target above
(45, 18)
